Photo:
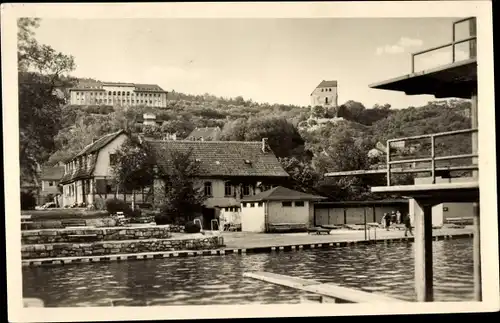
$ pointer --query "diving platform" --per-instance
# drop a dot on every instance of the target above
(329, 292)
(450, 174)
(456, 79)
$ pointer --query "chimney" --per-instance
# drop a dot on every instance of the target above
(265, 147)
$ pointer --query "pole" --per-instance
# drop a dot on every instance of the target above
(423, 251)
(364, 213)
(477, 254)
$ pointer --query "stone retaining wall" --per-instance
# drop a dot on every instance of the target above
(57, 250)
(38, 224)
(101, 234)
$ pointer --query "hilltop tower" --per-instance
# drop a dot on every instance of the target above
(325, 94)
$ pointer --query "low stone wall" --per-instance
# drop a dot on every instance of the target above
(58, 250)
(101, 234)
(38, 224)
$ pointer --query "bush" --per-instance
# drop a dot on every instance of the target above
(135, 213)
(28, 201)
(162, 219)
(192, 227)
(49, 198)
(99, 203)
(114, 206)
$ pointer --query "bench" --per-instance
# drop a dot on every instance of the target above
(318, 230)
(330, 226)
(287, 227)
(74, 223)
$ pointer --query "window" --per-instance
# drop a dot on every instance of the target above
(208, 188)
(286, 204)
(252, 205)
(109, 92)
(112, 159)
(246, 189)
(299, 203)
(243, 204)
(51, 183)
(326, 100)
(228, 189)
(260, 204)
(114, 92)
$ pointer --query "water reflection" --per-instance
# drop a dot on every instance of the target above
(385, 269)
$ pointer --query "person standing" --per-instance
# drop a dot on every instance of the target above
(398, 217)
(407, 222)
(387, 219)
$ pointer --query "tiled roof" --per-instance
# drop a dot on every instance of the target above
(222, 158)
(281, 193)
(52, 173)
(99, 143)
(148, 87)
(95, 85)
(205, 133)
(80, 172)
(327, 84)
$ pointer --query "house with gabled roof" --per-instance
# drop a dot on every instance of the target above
(228, 172)
(325, 94)
(89, 172)
(277, 209)
(50, 176)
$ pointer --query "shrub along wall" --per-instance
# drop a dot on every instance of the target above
(97, 234)
(56, 250)
(58, 224)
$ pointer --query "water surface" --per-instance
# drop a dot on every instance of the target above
(385, 269)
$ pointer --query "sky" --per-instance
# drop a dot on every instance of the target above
(266, 60)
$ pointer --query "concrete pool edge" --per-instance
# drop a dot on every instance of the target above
(224, 251)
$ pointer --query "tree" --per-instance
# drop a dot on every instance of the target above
(303, 175)
(318, 112)
(41, 77)
(283, 137)
(181, 200)
(134, 168)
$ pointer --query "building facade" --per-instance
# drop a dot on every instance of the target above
(124, 94)
(325, 95)
(49, 179)
(277, 208)
(89, 174)
(228, 172)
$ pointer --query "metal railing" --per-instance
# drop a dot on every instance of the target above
(432, 158)
(452, 44)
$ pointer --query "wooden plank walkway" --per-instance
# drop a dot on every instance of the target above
(330, 290)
